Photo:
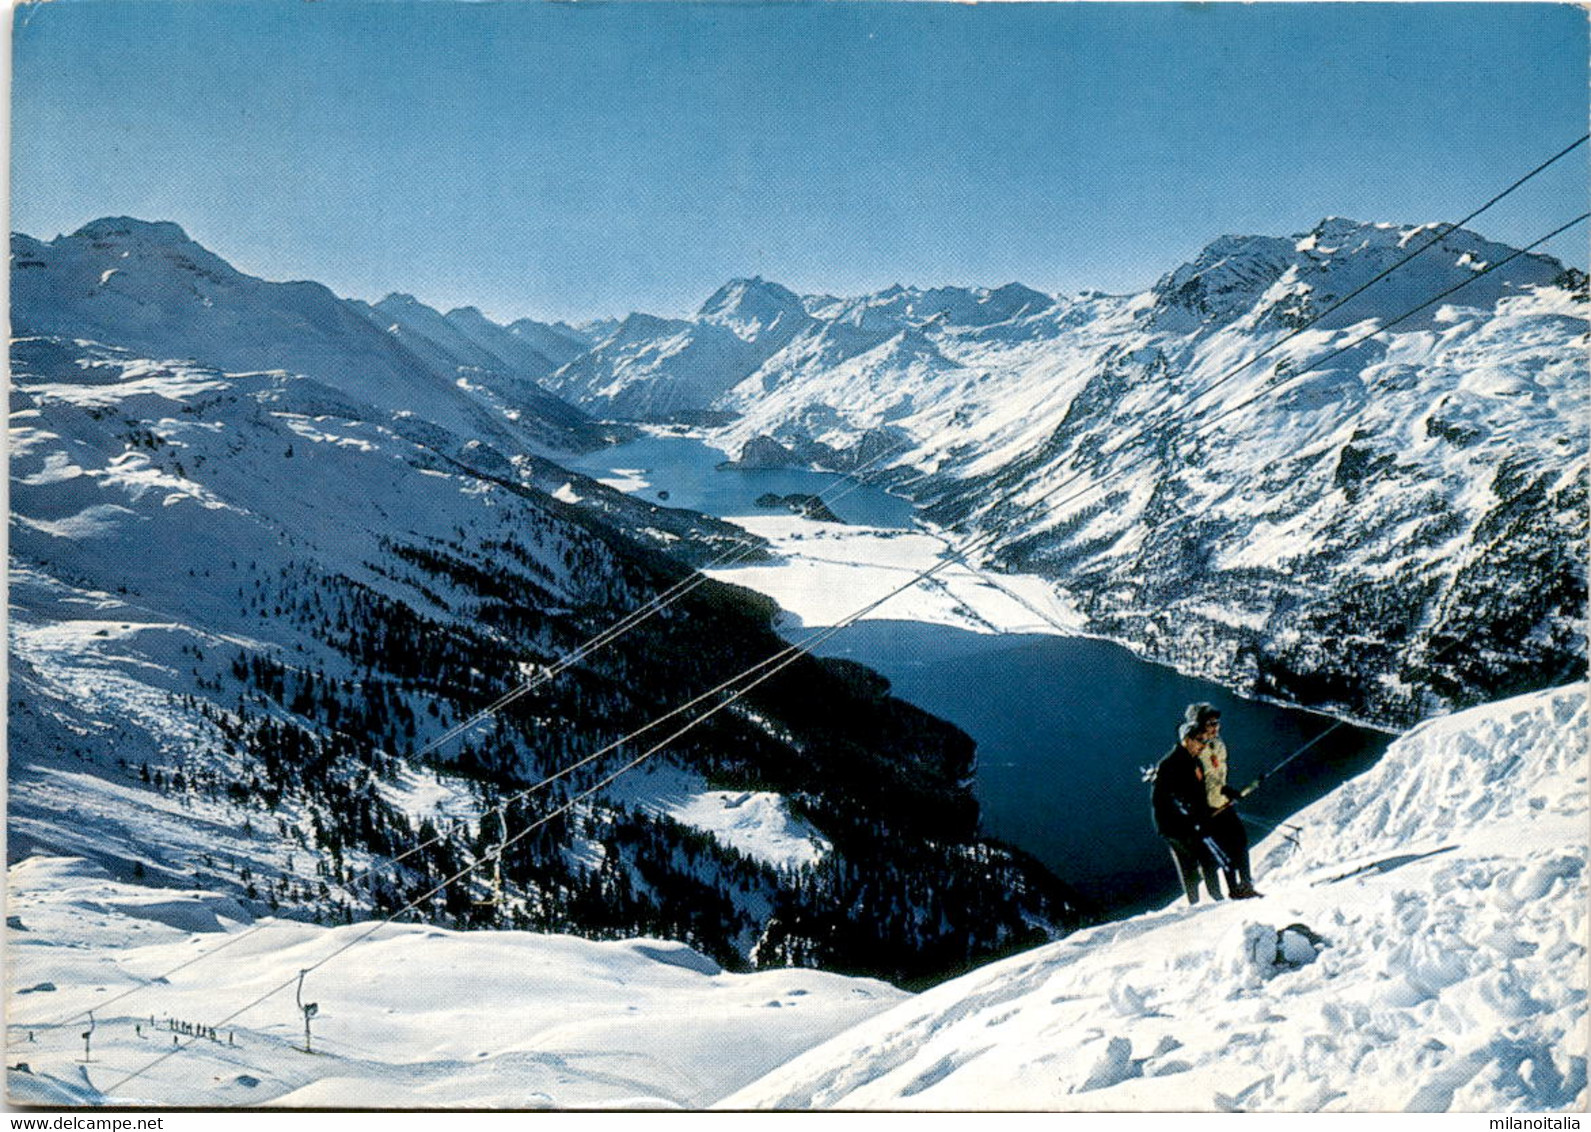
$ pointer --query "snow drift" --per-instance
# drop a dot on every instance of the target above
(1421, 946)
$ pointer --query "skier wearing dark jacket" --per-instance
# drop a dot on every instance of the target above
(1182, 812)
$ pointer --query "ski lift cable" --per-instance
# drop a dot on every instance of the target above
(742, 549)
(794, 654)
(500, 809)
(1442, 234)
(974, 544)
(685, 585)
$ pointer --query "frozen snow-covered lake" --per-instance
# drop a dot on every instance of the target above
(1063, 723)
(681, 471)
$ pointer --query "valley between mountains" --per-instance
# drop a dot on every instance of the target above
(302, 597)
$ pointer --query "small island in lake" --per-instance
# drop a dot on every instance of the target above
(809, 506)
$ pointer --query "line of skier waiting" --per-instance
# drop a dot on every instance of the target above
(1194, 811)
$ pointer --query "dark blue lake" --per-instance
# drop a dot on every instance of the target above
(1063, 724)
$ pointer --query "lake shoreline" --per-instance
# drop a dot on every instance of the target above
(1038, 671)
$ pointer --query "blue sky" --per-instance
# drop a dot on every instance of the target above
(581, 159)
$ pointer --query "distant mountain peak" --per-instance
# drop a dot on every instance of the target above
(752, 306)
(639, 323)
(131, 228)
(1014, 300)
(399, 300)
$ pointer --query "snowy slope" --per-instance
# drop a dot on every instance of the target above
(162, 514)
(408, 1016)
(1422, 947)
(239, 600)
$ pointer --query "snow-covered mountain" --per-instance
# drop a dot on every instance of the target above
(655, 368)
(517, 351)
(1376, 525)
(558, 342)
(244, 604)
(424, 328)
(1421, 946)
(660, 369)
(146, 287)
(488, 361)
(465, 340)
(757, 311)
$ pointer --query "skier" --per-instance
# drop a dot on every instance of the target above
(1181, 812)
(1224, 825)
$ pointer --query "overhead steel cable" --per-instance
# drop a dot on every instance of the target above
(794, 652)
(696, 578)
(790, 656)
(1446, 230)
(645, 612)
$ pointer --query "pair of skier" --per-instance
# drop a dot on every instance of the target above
(1193, 809)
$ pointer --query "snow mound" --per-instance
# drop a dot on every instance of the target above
(1479, 777)
(1424, 951)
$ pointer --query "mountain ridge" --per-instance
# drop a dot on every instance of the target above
(147, 287)
(1111, 410)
